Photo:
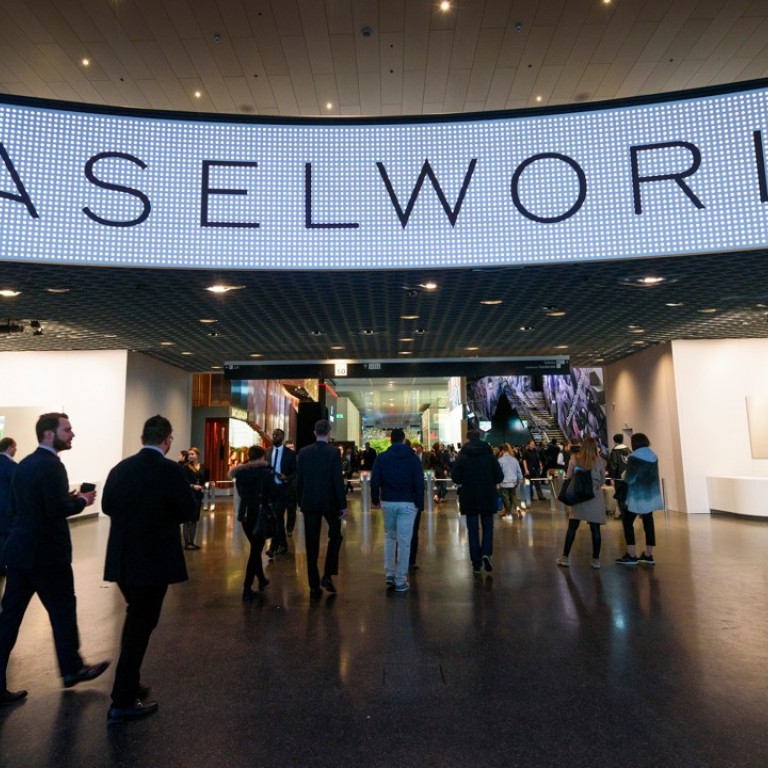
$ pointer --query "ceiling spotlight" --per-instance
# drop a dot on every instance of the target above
(224, 288)
(255, 354)
(9, 293)
(315, 333)
(367, 331)
(491, 302)
(337, 346)
(198, 94)
(430, 286)
(526, 327)
(409, 317)
(405, 352)
(214, 334)
(445, 6)
(57, 290)
(167, 344)
(645, 281)
(406, 338)
(421, 331)
(208, 320)
(556, 313)
(561, 346)
(187, 353)
(708, 311)
(538, 98)
(85, 61)
(650, 280)
(329, 105)
(471, 349)
(675, 304)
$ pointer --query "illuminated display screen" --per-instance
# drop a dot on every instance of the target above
(638, 180)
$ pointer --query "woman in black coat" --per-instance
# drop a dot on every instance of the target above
(477, 473)
(254, 482)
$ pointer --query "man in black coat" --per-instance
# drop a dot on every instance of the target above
(478, 474)
(283, 462)
(146, 496)
(320, 492)
(38, 554)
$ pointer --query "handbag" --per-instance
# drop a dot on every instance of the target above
(265, 522)
(577, 488)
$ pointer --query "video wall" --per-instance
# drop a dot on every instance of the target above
(684, 174)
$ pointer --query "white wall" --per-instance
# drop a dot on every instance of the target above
(640, 396)
(154, 387)
(347, 423)
(713, 379)
(88, 386)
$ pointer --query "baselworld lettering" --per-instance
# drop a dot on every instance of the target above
(676, 175)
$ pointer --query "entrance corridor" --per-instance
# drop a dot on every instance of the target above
(532, 665)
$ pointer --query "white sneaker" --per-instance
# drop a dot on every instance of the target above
(596, 564)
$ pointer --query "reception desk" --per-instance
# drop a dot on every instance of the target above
(739, 495)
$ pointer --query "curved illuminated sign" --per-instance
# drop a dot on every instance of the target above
(675, 176)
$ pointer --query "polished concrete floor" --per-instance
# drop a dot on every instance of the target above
(531, 666)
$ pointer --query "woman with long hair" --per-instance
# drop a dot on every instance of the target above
(591, 511)
(196, 475)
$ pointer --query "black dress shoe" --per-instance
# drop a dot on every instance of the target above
(12, 697)
(139, 709)
(327, 584)
(315, 594)
(85, 674)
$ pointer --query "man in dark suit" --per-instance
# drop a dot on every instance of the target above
(283, 462)
(320, 491)
(39, 554)
(146, 496)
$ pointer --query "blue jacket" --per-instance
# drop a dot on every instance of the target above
(643, 486)
(398, 476)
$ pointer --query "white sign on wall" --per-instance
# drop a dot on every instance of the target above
(634, 180)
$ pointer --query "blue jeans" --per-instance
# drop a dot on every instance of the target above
(478, 551)
(398, 530)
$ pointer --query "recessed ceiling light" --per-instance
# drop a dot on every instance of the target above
(420, 331)
(85, 61)
(57, 290)
(637, 330)
(471, 349)
(167, 344)
(556, 313)
(213, 334)
(208, 320)
(538, 98)
(639, 343)
(367, 331)
(526, 327)
(561, 346)
(409, 317)
(216, 367)
(445, 6)
(224, 288)
(110, 335)
(430, 286)
(187, 353)
(675, 304)
(404, 352)
(599, 359)
(316, 333)
(9, 293)
(492, 302)
(645, 281)
(406, 338)
(255, 354)
(708, 311)
(198, 94)
(337, 346)
(329, 105)
(651, 280)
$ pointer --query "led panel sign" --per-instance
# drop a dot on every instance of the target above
(642, 179)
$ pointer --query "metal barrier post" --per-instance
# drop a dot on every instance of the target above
(429, 490)
(365, 491)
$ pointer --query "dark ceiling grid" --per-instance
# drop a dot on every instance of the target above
(274, 313)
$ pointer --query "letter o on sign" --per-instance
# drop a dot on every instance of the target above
(549, 156)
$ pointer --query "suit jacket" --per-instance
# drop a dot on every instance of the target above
(319, 479)
(146, 496)
(287, 463)
(7, 470)
(41, 504)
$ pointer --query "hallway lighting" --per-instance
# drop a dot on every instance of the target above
(167, 344)
(406, 339)
(8, 293)
(256, 354)
(224, 288)
(337, 346)
(445, 6)
(675, 304)
(651, 280)
(208, 320)
(491, 302)
(471, 349)
(57, 290)
(557, 313)
(409, 317)
(430, 286)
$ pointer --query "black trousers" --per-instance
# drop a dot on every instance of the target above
(254, 566)
(312, 526)
(594, 529)
(415, 538)
(55, 586)
(141, 616)
(279, 503)
(627, 520)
